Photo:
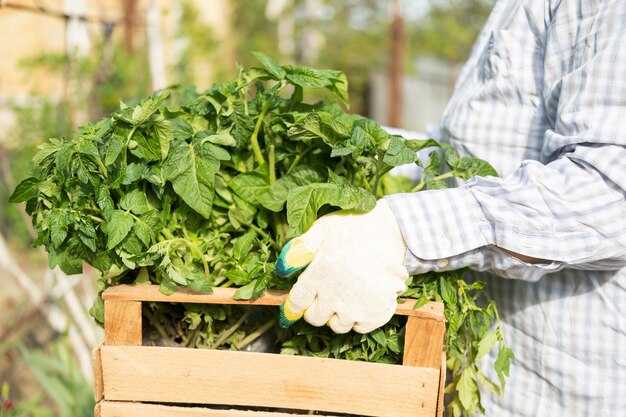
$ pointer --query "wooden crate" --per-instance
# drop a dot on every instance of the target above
(132, 380)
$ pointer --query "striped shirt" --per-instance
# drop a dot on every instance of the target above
(542, 98)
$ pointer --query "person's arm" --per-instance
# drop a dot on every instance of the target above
(569, 212)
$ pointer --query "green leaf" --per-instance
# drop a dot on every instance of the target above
(467, 168)
(223, 138)
(197, 281)
(449, 155)
(182, 130)
(147, 226)
(304, 202)
(135, 201)
(146, 147)
(245, 292)
(252, 185)
(120, 224)
(502, 364)
(275, 70)
(133, 173)
(105, 202)
(275, 197)
(243, 245)
(192, 169)
(115, 147)
(447, 291)
(242, 214)
(87, 147)
(46, 150)
(87, 234)
(366, 136)
(398, 153)
(379, 336)
(308, 77)
(339, 86)
(467, 389)
(487, 343)
(24, 191)
(433, 184)
(491, 386)
(319, 125)
(433, 167)
(69, 259)
(147, 108)
(238, 277)
(165, 133)
(60, 221)
(167, 286)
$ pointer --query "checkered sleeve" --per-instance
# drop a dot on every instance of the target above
(568, 211)
(568, 206)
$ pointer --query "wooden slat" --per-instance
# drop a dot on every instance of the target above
(197, 376)
(224, 296)
(122, 323)
(125, 409)
(96, 363)
(423, 342)
(442, 385)
(97, 410)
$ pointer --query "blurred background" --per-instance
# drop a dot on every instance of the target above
(64, 63)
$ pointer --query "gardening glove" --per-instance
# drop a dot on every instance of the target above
(355, 271)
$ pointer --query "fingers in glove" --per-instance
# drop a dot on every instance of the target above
(293, 257)
(319, 313)
(300, 297)
(340, 324)
(377, 320)
(299, 252)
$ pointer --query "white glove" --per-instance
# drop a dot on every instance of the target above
(355, 275)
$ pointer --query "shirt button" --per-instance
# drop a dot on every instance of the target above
(444, 243)
(442, 263)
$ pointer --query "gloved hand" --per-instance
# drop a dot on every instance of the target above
(355, 271)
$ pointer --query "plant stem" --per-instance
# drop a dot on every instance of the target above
(103, 169)
(167, 234)
(418, 187)
(191, 246)
(232, 329)
(264, 234)
(254, 139)
(256, 334)
(128, 138)
(438, 177)
(298, 158)
(155, 323)
(375, 186)
(192, 338)
(272, 161)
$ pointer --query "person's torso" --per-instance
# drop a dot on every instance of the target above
(567, 330)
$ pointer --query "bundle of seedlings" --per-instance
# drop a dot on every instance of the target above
(202, 189)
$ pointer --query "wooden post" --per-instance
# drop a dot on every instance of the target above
(423, 342)
(396, 63)
(122, 323)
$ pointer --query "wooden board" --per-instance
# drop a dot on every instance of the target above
(224, 296)
(125, 409)
(442, 385)
(96, 363)
(122, 323)
(423, 342)
(197, 376)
